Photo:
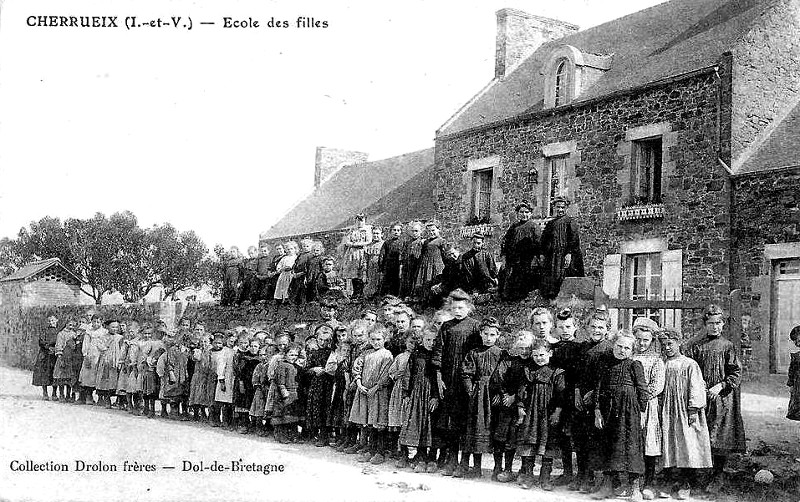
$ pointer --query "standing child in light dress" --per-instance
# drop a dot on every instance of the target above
(653, 366)
(284, 267)
(687, 446)
(371, 403)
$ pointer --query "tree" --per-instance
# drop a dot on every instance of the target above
(10, 259)
(44, 239)
(115, 254)
(158, 256)
(94, 252)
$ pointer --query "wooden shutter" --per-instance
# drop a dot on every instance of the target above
(672, 284)
(612, 274)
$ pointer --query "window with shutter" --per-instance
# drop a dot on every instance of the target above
(482, 195)
(644, 283)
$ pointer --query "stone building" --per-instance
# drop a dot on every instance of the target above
(345, 184)
(42, 283)
(667, 130)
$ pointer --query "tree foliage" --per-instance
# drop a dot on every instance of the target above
(115, 254)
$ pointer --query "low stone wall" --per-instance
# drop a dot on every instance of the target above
(20, 327)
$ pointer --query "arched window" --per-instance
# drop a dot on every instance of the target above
(562, 83)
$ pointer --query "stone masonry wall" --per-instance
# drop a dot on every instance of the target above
(695, 188)
(766, 213)
(766, 74)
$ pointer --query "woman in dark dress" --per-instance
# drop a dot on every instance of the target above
(320, 385)
(389, 262)
(410, 258)
(560, 250)
(46, 358)
(431, 262)
(520, 247)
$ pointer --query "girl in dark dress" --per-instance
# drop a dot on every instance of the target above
(286, 412)
(421, 398)
(320, 385)
(477, 369)
(620, 396)
(244, 391)
(539, 403)
(504, 385)
(338, 366)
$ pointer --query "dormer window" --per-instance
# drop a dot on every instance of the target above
(562, 83)
(569, 72)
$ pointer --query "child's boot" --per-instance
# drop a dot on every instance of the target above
(451, 463)
(475, 472)
(463, 467)
(498, 465)
(636, 492)
(606, 490)
(544, 475)
(508, 460)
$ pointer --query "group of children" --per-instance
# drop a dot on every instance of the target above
(420, 265)
(436, 395)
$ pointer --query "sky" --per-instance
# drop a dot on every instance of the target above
(214, 129)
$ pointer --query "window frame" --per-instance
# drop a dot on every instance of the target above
(554, 163)
(562, 80)
(648, 274)
(653, 170)
(480, 190)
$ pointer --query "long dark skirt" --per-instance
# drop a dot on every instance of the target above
(43, 368)
(621, 442)
(319, 395)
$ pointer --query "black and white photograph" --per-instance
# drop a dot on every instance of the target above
(431, 250)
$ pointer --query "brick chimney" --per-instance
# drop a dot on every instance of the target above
(519, 34)
(330, 160)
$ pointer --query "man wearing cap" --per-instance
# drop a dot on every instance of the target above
(560, 250)
(46, 358)
(520, 248)
(480, 268)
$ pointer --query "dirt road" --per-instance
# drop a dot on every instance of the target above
(50, 434)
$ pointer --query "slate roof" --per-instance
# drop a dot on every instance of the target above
(34, 268)
(781, 148)
(665, 40)
(397, 188)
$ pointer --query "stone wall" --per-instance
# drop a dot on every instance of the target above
(696, 189)
(766, 226)
(33, 293)
(766, 75)
(20, 326)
